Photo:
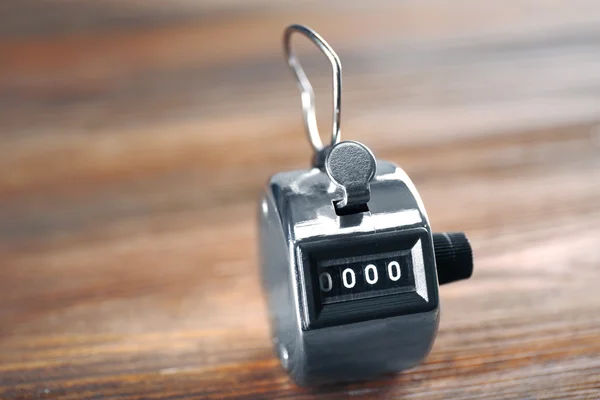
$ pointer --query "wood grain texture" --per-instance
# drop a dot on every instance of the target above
(136, 137)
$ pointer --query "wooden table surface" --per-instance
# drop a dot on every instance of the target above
(136, 137)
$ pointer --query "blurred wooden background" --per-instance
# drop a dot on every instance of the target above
(135, 138)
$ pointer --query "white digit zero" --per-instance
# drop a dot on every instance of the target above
(394, 271)
(325, 288)
(348, 271)
(372, 268)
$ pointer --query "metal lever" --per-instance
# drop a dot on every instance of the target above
(351, 165)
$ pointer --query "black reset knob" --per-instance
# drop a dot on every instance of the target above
(453, 256)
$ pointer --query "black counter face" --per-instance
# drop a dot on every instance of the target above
(367, 277)
(348, 279)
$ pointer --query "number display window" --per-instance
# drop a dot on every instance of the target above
(376, 277)
(368, 277)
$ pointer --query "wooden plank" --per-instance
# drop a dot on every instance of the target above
(136, 138)
(105, 100)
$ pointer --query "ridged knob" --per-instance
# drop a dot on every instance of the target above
(453, 256)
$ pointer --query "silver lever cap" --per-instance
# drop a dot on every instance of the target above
(351, 165)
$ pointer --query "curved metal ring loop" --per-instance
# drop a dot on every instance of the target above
(306, 89)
